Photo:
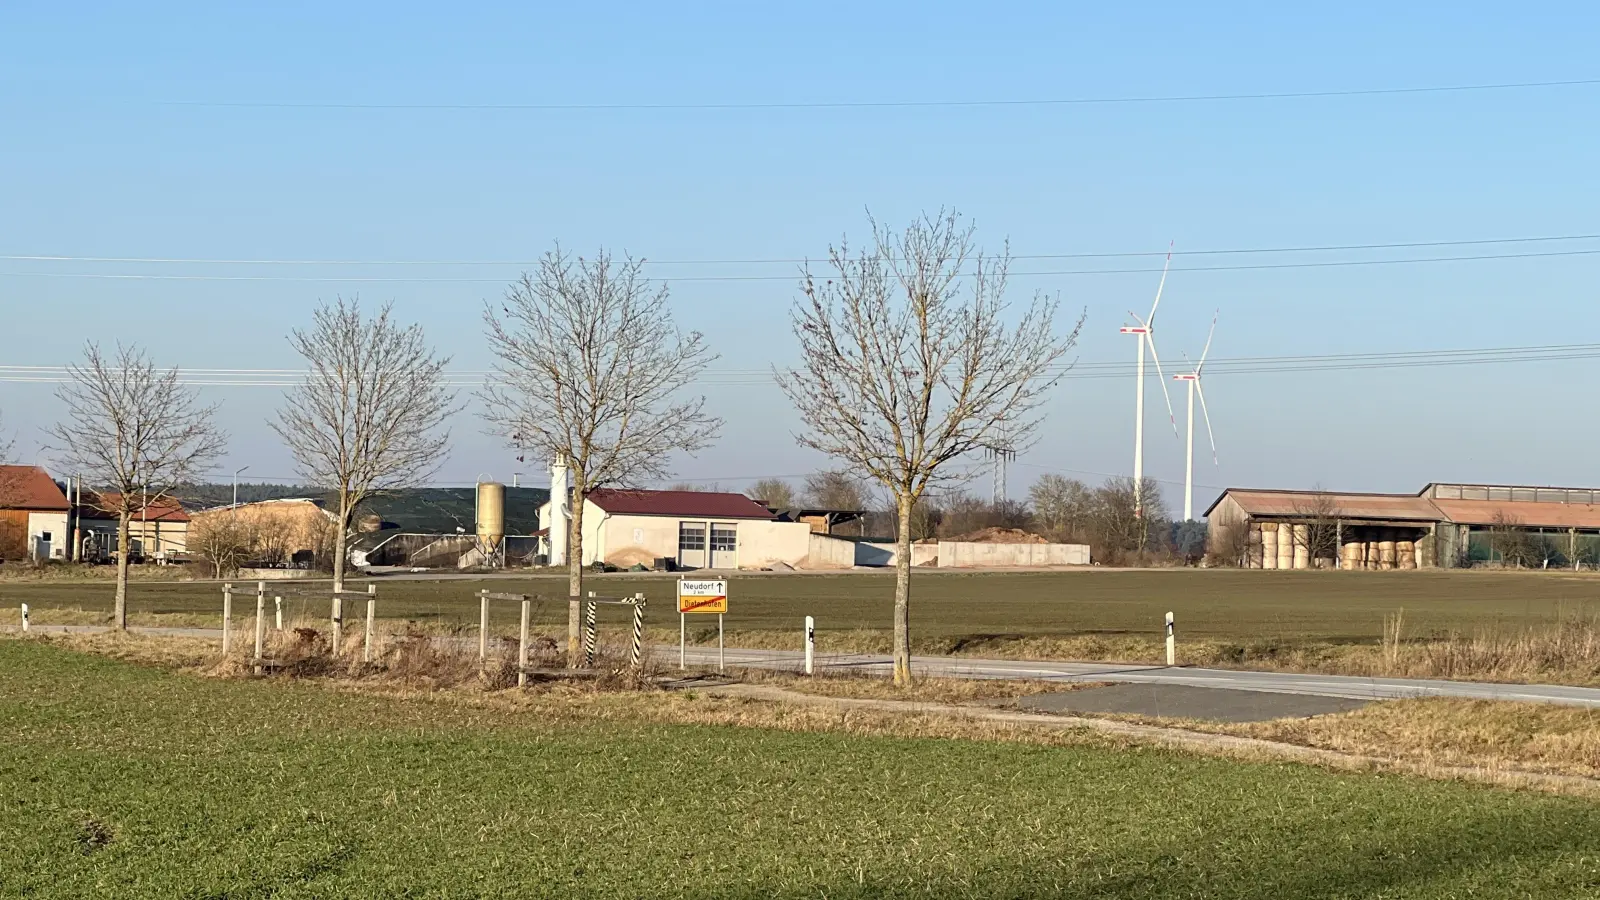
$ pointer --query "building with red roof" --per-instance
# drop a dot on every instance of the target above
(33, 514)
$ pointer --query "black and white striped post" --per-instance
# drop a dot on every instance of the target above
(589, 635)
(1172, 643)
(638, 631)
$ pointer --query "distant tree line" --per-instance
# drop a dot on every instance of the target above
(1058, 508)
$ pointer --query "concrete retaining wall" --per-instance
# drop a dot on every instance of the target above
(836, 553)
(963, 555)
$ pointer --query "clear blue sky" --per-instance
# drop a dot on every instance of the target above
(102, 155)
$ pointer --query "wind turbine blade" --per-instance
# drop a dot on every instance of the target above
(1209, 335)
(1160, 287)
(1161, 377)
(1207, 414)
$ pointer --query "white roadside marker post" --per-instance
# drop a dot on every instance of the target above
(483, 628)
(24, 618)
(1172, 643)
(811, 645)
(277, 603)
(366, 646)
(227, 617)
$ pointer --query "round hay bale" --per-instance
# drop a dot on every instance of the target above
(1353, 555)
(1386, 554)
(1302, 549)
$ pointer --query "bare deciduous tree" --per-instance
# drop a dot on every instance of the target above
(369, 415)
(1123, 531)
(224, 542)
(1063, 506)
(10, 479)
(1511, 540)
(774, 492)
(135, 431)
(835, 490)
(907, 363)
(590, 366)
(1317, 526)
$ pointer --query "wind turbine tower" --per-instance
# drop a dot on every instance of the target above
(1193, 380)
(1144, 331)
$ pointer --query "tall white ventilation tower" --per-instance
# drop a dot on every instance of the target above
(560, 509)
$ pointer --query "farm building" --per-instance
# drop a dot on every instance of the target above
(425, 527)
(692, 529)
(33, 515)
(158, 531)
(1444, 525)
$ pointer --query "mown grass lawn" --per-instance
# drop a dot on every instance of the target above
(122, 781)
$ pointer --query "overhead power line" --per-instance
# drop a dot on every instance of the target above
(1121, 254)
(380, 279)
(884, 104)
(1244, 365)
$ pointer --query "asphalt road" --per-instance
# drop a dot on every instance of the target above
(1346, 686)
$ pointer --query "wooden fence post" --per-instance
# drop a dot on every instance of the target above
(522, 646)
(483, 628)
(261, 626)
(227, 616)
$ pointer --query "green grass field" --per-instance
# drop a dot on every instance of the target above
(123, 781)
(1219, 604)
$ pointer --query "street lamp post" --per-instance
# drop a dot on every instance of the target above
(234, 509)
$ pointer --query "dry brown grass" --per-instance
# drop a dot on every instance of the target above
(1435, 732)
(955, 691)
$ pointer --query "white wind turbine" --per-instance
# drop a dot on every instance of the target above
(1145, 331)
(1193, 378)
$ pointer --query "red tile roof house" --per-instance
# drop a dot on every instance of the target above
(157, 532)
(694, 529)
(33, 515)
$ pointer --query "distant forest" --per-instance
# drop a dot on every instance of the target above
(205, 496)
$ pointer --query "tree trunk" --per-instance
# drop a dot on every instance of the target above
(123, 540)
(575, 575)
(902, 593)
(339, 533)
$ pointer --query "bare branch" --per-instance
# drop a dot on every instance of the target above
(370, 414)
(908, 362)
(590, 367)
(134, 431)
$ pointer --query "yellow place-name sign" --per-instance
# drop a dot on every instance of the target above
(703, 595)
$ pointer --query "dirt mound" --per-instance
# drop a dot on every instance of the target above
(999, 536)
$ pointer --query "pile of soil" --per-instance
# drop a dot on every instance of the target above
(999, 536)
